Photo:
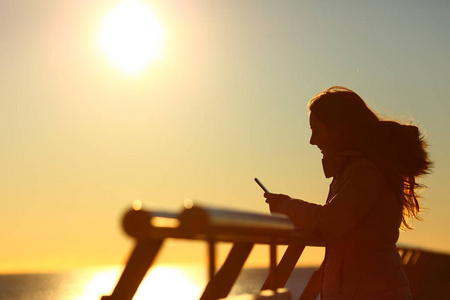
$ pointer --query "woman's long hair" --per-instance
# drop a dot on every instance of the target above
(398, 149)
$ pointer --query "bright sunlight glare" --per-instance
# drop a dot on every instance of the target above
(167, 283)
(131, 36)
(99, 282)
(158, 284)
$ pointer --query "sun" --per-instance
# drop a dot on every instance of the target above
(131, 36)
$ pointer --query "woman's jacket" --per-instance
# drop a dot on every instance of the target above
(360, 225)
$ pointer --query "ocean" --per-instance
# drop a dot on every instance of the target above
(162, 283)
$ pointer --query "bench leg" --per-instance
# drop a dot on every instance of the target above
(138, 264)
(279, 277)
(312, 288)
(222, 282)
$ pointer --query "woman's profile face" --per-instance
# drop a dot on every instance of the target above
(327, 139)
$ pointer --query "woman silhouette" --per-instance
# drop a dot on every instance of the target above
(374, 165)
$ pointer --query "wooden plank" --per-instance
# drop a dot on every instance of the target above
(284, 269)
(138, 264)
(312, 288)
(428, 273)
(220, 285)
(198, 219)
(200, 223)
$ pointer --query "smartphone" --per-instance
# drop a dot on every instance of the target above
(261, 185)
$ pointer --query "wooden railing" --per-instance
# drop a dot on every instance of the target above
(428, 272)
(212, 225)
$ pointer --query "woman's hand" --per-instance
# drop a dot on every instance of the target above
(274, 200)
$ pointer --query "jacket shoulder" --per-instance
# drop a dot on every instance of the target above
(362, 166)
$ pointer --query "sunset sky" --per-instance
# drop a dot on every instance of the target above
(87, 127)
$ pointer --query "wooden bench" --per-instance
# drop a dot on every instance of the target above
(428, 272)
(212, 225)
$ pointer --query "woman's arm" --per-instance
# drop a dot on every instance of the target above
(360, 191)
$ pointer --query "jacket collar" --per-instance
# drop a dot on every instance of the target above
(334, 164)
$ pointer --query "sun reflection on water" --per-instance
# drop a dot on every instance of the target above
(99, 282)
(162, 282)
(166, 282)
